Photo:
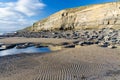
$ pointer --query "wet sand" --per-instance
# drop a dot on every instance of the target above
(81, 63)
(13, 40)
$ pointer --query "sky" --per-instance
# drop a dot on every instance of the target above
(18, 14)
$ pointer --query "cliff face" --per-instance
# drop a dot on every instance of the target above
(87, 17)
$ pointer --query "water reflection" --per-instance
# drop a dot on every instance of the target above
(25, 50)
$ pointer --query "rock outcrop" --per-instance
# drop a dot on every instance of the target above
(86, 17)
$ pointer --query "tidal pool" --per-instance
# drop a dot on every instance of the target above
(25, 50)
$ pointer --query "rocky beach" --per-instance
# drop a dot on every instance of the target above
(76, 55)
(104, 37)
(80, 44)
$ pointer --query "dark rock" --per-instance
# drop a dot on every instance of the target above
(83, 77)
(88, 43)
(64, 43)
(104, 44)
(40, 46)
(85, 43)
(7, 46)
(85, 37)
(1, 44)
(96, 42)
(69, 46)
(76, 42)
(21, 46)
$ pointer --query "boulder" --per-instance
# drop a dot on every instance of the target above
(7, 46)
(40, 45)
(1, 44)
(64, 43)
(103, 44)
(81, 43)
(69, 46)
(112, 46)
(86, 43)
(106, 38)
(75, 42)
(23, 45)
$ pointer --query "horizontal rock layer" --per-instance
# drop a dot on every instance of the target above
(86, 17)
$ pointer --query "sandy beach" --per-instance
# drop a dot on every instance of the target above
(81, 63)
(13, 40)
(53, 40)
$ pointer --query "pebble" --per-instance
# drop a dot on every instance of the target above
(103, 37)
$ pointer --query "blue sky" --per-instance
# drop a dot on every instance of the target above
(18, 14)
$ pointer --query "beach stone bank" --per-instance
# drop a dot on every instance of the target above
(105, 37)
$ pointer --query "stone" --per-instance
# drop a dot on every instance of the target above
(106, 38)
(88, 42)
(102, 37)
(96, 42)
(64, 43)
(112, 46)
(40, 45)
(7, 46)
(69, 46)
(103, 44)
(21, 46)
(81, 43)
(75, 42)
(1, 44)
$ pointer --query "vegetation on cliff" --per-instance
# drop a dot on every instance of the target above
(84, 17)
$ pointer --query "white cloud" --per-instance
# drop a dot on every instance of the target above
(28, 6)
(17, 14)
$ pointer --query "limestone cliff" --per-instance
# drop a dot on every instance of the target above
(85, 17)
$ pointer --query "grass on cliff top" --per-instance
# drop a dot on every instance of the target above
(75, 9)
(72, 10)
(27, 28)
(43, 20)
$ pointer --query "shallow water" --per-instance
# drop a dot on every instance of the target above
(25, 50)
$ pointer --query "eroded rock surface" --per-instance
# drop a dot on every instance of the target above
(86, 17)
